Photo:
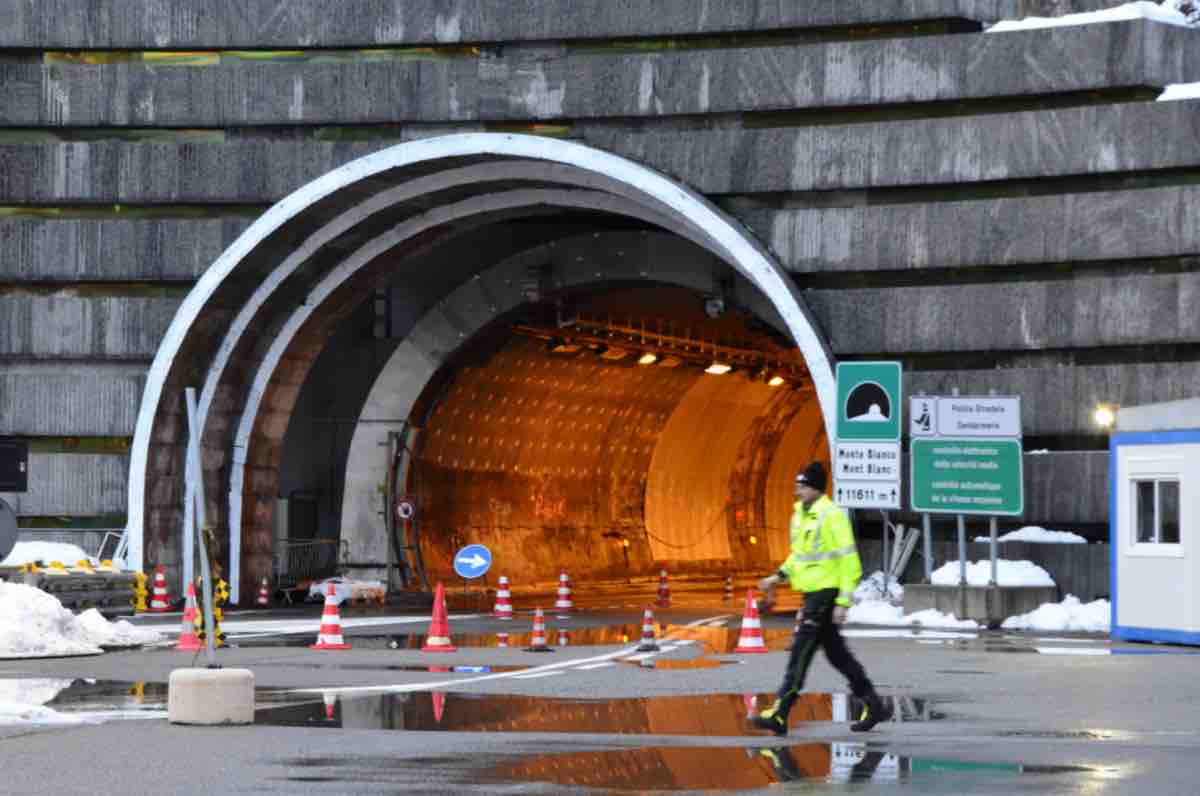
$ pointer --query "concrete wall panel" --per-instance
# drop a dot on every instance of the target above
(55, 399)
(1059, 143)
(1111, 225)
(92, 250)
(172, 24)
(1068, 313)
(73, 484)
(548, 83)
(67, 324)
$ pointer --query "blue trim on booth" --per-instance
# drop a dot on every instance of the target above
(1115, 441)
(1155, 634)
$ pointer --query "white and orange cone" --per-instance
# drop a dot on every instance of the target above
(564, 638)
(264, 593)
(664, 590)
(538, 642)
(502, 640)
(160, 601)
(188, 640)
(503, 609)
(563, 605)
(751, 703)
(751, 638)
(438, 637)
(330, 700)
(648, 643)
(329, 637)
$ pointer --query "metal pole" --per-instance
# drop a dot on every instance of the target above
(886, 534)
(201, 523)
(992, 528)
(962, 550)
(928, 548)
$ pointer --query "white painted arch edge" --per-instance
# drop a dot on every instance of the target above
(727, 238)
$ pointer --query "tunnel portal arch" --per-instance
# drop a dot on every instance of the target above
(275, 279)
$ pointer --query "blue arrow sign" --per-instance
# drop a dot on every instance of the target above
(472, 561)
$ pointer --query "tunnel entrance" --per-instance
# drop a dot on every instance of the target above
(442, 222)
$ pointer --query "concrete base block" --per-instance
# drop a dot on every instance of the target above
(988, 605)
(211, 696)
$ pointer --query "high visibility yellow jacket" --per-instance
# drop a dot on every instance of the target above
(823, 554)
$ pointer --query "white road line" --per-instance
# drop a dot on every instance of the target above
(1072, 651)
(641, 657)
(600, 665)
(401, 688)
(1070, 640)
(536, 675)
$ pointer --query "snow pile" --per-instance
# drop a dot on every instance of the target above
(1070, 614)
(1169, 12)
(34, 624)
(1008, 573)
(45, 552)
(22, 702)
(1179, 91)
(871, 588)
(1035, 533)
(343, 589)
(878, 612)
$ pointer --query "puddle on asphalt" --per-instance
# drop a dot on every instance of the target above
(63, 700)
(555, 637)
(428, 668)
(709, 714)
(741, 768)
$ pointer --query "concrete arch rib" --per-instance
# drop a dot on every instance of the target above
(719, 233)
(479, 207)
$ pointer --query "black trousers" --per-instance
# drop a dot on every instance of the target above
(817, 629)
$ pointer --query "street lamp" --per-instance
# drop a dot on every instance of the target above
(1104, 416)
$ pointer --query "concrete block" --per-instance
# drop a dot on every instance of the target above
(210, 696)
(987, 605)
(241, 24)
(56, 399)
(71, 324)
(73, 484)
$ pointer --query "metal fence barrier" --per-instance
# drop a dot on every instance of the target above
(297, 563)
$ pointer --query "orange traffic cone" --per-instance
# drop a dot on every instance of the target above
(438, 637)
(188, 640)
(563, 637)
(160, 601)
(751, 637)
(503, 609)
(501, 639)
(538, 643)
(664, 590)
(330, 700)
(563, 605)
(329, 637)
(264, 594)
(751, 702)
(648, 643)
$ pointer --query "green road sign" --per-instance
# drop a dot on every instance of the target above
(967, 476)
(868, 401)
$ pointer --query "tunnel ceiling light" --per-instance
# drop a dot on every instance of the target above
(718, 368)
(647, 359)
(1104, 416)
(775, 381)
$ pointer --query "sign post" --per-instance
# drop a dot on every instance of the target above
(471, 562)
(866, 449)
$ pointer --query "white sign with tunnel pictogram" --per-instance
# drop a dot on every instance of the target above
(406, 508)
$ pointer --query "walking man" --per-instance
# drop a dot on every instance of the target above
(824, 565)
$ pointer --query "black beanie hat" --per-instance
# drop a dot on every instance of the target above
(814, 476)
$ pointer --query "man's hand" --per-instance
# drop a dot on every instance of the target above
(768, 583)
(839, 614)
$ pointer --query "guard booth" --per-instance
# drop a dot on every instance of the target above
(1154, 507)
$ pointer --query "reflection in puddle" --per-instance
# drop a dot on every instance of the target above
(69, 701)
(739, 768)
(574, 636)
(368, 667)
(710, 714)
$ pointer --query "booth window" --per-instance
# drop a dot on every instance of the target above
(1157, 511)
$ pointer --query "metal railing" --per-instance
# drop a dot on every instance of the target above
(311, 559)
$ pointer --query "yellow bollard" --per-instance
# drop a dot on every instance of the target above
(140, 593)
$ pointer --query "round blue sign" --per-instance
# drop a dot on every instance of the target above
(472, 561)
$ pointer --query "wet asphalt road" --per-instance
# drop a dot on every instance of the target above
(976, 712)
